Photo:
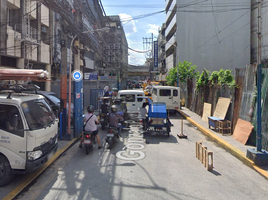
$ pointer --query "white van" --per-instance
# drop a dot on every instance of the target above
(28, 133)
(168, 94)
(134, 99)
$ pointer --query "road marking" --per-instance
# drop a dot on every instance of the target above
(135, 142)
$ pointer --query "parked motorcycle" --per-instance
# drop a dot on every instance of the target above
(89, 140)
(112, 137)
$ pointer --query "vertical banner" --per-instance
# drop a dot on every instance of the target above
(155, 55)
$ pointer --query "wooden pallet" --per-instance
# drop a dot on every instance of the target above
(224, 127)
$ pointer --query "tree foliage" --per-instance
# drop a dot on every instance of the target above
(186, 71)
(203, 79)
(172, 76)
(214, 77)
(183, 70)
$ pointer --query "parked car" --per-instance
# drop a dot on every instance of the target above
(54, 101)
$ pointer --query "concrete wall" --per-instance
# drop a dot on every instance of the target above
(44, 15)
(15, 4)
(33, 13)
(170, 62)
(45, 58)
(13, 44)
(214, 40)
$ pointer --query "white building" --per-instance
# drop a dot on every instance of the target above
(212, 35)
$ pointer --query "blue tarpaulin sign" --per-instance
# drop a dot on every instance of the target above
(91, 76)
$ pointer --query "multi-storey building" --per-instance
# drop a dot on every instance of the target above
(162, 54)
(116, 49)
(170, 34)
(210, 36)
(214, 35)
(25, 35)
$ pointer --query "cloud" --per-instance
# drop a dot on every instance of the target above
(128, 23)
(153, 29)
(135, 58)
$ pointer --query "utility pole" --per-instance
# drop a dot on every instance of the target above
(78, 86)
(63, 86)
(147, 44)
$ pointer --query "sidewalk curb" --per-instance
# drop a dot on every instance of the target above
(16, 191)
(233, 150)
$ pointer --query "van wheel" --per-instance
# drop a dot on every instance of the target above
(6, 174)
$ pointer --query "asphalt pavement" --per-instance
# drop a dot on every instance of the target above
(225, 141)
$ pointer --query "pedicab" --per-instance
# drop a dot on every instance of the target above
(158, 122)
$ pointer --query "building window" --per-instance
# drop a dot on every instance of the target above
(8, 61)
(10, 17)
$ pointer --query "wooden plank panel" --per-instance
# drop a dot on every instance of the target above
(222, 107)
(242, 131)
(206, 112)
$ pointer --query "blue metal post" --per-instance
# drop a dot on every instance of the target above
(259, 127)
(78, 108)
(61, 126)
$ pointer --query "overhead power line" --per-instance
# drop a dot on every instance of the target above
(138, 51)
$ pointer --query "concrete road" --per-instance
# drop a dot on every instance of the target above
(160, 168)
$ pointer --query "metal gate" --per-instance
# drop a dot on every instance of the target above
(94, 94)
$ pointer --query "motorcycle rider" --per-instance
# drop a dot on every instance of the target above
(91, 125)
(104, 106)
(104, 110)
(114, 117)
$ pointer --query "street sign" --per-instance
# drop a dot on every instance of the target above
(77, 76)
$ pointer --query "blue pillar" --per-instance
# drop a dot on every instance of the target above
(78, 108)
(258, 155)
(259, 135)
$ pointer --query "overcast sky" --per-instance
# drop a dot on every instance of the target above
(146, 20)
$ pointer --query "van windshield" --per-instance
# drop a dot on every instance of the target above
(38, 113)
(128, 97)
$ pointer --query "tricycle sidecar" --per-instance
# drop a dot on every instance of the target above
(158, 122)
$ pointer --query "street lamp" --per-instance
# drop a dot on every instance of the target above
(105, 29)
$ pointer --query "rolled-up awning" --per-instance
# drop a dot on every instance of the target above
(24, 74)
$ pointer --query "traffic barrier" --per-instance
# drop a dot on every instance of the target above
(205, 156)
